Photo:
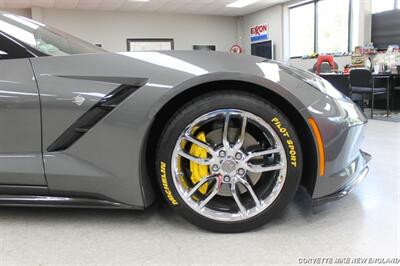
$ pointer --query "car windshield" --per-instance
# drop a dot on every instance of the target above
(45, 39)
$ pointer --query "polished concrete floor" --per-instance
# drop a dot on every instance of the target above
(364, 224)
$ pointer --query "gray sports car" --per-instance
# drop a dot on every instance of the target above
(227, 139)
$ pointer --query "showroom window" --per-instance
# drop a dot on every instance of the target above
(378, 6)
(321, 26)
(301, 29)
(333, 26)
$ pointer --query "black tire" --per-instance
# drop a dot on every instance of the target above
(229, 100)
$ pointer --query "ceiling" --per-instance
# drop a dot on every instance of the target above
(209, 7)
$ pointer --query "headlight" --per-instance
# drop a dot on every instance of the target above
(314, 80)
(338, 110)
(324, 86)
(351, 113)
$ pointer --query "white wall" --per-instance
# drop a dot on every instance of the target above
(113, 28)
(271, 16)
(25, 12)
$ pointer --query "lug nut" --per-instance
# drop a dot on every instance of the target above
(238, 156)
(215, 168)
(227, 178)
(241, 171)
(222, 154)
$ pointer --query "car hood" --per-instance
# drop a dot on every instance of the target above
(178, 66)
(171, 69)
(197, 63)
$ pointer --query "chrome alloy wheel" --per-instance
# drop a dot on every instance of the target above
(230, 165)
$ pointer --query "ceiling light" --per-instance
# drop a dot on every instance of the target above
(242, 3)
(138, 0)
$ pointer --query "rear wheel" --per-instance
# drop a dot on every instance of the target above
(229, 161)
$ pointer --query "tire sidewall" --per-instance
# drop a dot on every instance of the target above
(245, 102)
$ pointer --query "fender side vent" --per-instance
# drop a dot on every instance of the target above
(89, 119)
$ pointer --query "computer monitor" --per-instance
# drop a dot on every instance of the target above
(263, 49)
(204, 47)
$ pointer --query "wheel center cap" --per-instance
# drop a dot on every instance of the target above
(228, 166)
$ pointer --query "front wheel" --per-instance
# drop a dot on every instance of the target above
(229, 161)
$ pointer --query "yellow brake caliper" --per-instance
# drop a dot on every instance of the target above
(198, 171)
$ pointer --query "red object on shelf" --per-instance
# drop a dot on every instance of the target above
(325, 58)
(236, 49)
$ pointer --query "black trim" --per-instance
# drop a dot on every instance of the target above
(13, 49)
(89, 119)
(344, 191)
(31, 52)
(63, 202)
(136, 82)
(11, 189)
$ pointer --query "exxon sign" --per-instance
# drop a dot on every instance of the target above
(259, 33)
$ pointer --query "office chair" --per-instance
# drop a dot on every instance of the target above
(362, 82)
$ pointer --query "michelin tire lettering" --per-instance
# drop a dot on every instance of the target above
(164, 182)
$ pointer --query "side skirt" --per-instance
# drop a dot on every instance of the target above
(63, 202)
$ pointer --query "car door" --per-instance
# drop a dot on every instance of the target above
(21, 160)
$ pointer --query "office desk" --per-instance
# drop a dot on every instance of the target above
(342, 83)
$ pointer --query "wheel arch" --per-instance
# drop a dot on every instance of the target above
(170, 106)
